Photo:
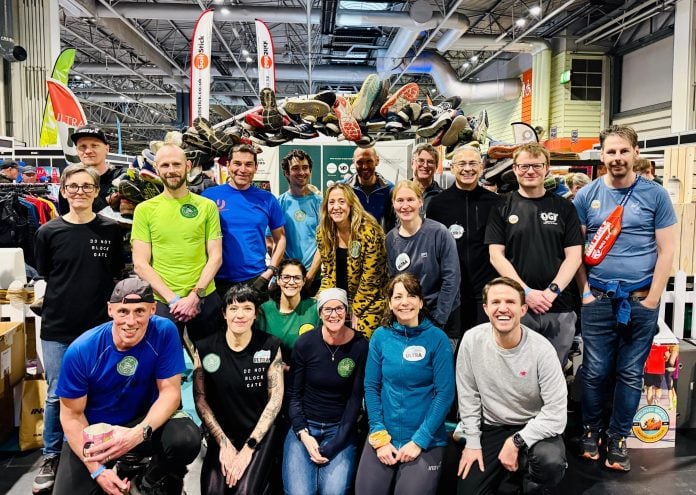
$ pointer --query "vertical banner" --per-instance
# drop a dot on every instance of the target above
(68, 114)
(200, 65)
(526, 115)
(118, 135)
(49, 126)
(266, 56)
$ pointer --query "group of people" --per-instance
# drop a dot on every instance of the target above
(419, 291)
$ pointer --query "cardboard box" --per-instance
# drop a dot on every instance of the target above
(12, 354)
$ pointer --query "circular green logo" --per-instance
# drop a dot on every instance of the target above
(127, 366)
(188, 211)
(211, 363)
(345, 367)
(300, 216)
(354, 249)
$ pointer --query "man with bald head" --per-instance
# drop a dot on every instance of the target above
(177, 248)
(373, 190)
(464, 208)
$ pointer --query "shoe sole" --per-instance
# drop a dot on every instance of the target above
(270, 116)
(591, 457)
(304, 108)
(349, 126)
(434, 128)
(367, 94)
(408, 92)
(452, 135)
(618, 466)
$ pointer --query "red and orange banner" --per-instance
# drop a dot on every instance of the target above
(69, 116)
(266, 56)
(200, 65)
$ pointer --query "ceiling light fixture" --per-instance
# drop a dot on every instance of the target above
(245, 52)
(520, 22)
(249, 59)
(225, 11)
(535, 10)
(466, 65)
(474, 59)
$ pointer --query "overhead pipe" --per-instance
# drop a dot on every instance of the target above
(657, 10)
(615, 20)
(491, 43)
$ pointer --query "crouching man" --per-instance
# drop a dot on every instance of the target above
(512, 399)
(126, 373)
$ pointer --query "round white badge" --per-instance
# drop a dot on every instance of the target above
(456, 230)
(343, 168)
(414, 353)
(331, 168)
(402, 262)
(595, 204)
(513, 219)
(352, 169)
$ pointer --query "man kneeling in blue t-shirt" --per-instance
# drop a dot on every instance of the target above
(126, 373)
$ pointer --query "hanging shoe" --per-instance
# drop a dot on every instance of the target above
(368, 92)
(444, 120)
(379, 100)
(271, 117)
(349, 126)
(328, 97)
(408, 92)
(300, 131)
(307, 109)
(458, 125)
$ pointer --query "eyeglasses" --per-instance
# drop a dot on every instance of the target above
(340, 311)
(291, 278)
(421, 161)
(86, 188)
(471, 164)
(526, 166)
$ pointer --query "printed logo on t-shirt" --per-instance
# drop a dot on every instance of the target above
(595, 204)
(127, 366)
(299, 216)
(414, 353)
(220, 203)
(354, 249)
(100, 247)
(402, 261)
(548, 218)
(305, 328)
(211, 363)
(262, 356)
(456, 230)
(523, 373)
(345, 367)
(513, 219)
(188, 211)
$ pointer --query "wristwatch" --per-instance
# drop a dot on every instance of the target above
(553, 287)
(147, 432)
(252, 443)
(518, 441)
(299, 433)
(274, 269)
(200, 292)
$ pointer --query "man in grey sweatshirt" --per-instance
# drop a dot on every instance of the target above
(512, 399)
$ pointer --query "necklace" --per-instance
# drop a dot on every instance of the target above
(333, 353)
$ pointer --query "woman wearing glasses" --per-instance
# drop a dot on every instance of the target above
(409, 387)
(426, 249)
(287, 315)
(238, 391)
(325, 395)
(351, 245)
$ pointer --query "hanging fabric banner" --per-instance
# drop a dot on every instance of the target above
(68, 114)
(49, 127)
(266, 56)
(200, 65)
(118, 135)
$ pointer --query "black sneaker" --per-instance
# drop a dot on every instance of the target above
(617, 454)
(168, 485)
(300, 131)
(590, 443)
(47, 475)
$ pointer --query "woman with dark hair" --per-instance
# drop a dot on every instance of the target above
(327, 383)
(238, 391)
(287, 315)
(351, 245)
(409, 387)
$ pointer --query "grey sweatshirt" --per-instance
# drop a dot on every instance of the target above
(520, 386)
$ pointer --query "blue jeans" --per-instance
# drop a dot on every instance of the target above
(301, 476)
(52, 431)
(621, 351)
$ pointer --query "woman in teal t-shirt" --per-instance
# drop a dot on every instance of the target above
(287, 315)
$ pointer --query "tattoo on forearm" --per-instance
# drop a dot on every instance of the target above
(275, 398)
(203, 408)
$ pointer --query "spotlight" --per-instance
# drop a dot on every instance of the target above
(474, 59)
(245, 52)
(249, 59)
(520, 22)
(535, 11)
(466, 65)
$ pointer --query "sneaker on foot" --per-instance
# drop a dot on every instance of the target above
(47, 474)
(590, 444)
(617, 454)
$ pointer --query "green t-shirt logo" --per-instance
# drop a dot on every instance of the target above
(300, 216)
(345, 367)
(211, 363)
(189, 211)
(127, 366)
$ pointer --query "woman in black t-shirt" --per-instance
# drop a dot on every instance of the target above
(325, 396)
(238, 390)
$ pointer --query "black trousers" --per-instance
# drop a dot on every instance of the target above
(207, 322)
(541, 466)
(173, 446)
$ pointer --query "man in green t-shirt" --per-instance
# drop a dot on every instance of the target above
(177, 248)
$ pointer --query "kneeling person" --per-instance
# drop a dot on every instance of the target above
(127, 373)
(512, 399)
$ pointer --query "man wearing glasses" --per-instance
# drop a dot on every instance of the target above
(424, 163)
(464, 209)
(534, 238)
(80, 256)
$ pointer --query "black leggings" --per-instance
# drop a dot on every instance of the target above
(256, 478)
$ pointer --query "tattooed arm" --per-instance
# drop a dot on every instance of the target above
(268, 416)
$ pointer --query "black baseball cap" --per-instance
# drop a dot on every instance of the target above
(8, 164)
(132, 290)
(89, 131)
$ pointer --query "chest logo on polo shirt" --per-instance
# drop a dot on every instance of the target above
(456, 230)
(402, 262)
(127, 366)
(595, 204)
(188, 211)
(354, 249)
(305, 328)
(262, 356)
(345, 367)
(548, 218)
(299, 216)
(414, 353)
(513, 219)
(211, 363)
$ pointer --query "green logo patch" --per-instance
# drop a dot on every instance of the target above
(211, 363)
(127, 366)
(188, 211)
(355, 249)
(345, 367)
(300, 216)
